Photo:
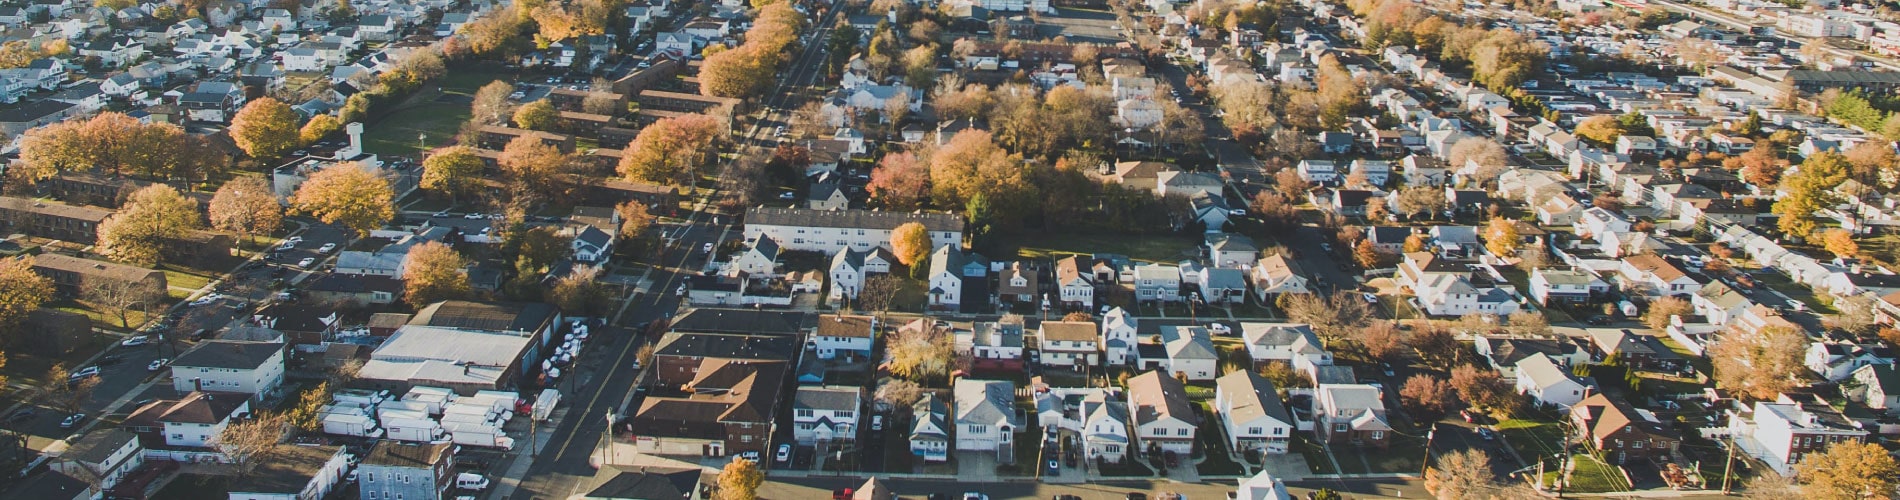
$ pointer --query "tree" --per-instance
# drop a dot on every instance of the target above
(877, 292)
(60, 391)
(307, 415)
(1482, 388)
(602, 104)
(1759, 364)
(491, 102)
(911, 242)
(345, 195)
(451, 170)
(970, 166)
(1421, 200)
(1532, 323)
(1662, 309)
(1369, 256)
(1437, 347)
(535, 168)
(897, 393)
(1601, 130)
(920, 354)
(1290, 185)
(1848, 470)
(1382, 340)
(1332, 317)
(901, 182)
(246, 205)
(1840, 243)
(635, 220)
(21, 291)
(432, 272)
(1501, 238)
(250, 443)
(537, 115)
(578, 292)
(1772, 487)
(1460, 475)
(740, 480)
(266, 128)
(144, 227)
(742, 72)
(119, 298)
(317, 128)
(1283, 376)
(671, 149)
(1415, 243)
(1808, 190)
(117, 144)
(1427, 395)
(1485, 153)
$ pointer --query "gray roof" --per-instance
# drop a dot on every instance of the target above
(827, 398)
(229, 354)
(855, 219)
(1188, 342)
(929, 412)
(1250, 396)
(987, 402)
(97, 446)
(1155, 396)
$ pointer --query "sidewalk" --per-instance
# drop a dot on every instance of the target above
(510, 478)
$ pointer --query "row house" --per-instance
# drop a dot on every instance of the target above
(1251, 414)
(1163, 418)
(828, 231)
(1781, 432)
(1620, 432)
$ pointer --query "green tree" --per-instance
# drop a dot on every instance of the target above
(346, 195)
(1809, 189)
(451, 170)
(143, 228)
(537, 115)
(432, 272)
(266, 128)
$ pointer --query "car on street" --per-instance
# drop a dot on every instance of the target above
(23, 415)
(784, 453)
(473, 216)
(443, 213)
(83, 373)
(1598, 320)
(1219, 329)
(72, 421)
(157, 364)
(1054, 467)
(307, 262)
(788, 195)
(136, 341)
(207, 299)
(1371, 298)
(975, 496)
(877, 422)
(706, 249)
(326, 248)
(1486, 434)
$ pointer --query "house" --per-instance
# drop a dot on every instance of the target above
(1069, 343)
(851, 268)
(827, 196)
(1186, 183)
(1292, 343)
(51, 219)
(1335, 142)
(1376, 172)
(828, 231)
(1621, 432)
(986, 417)
(956, 275)
(1228, 250)
(102, 458)
(759, 259)
(299, 472)
(1020, 282)
(1157, 282)
(1104, 426)
(1879, 387)
(1118, 336)
(1350, 413)
(1549, 383)
(840, 334)
(1654, 276)
(1552, 286)
(990, 345)
(231, 366)
(1783, 431)
(1423, 170)
(1278, 274)
(646, 482)
(825, 414)
(1182, 350)
(1223, 285)
(930, 429)
(189, 422)
(1504, 353)
(1837, 359)
(1075, 288)
(1639, 352)
(1250, 413)
(397, 469)
(1322, 172)
(1262, 486)
(590, 244)
(1163, 418)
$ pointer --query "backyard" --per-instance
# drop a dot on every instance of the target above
(1593, 476)
(437, 111)
(1146, 249)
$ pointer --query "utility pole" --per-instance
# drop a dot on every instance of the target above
(1728, 464)
(1428, 449)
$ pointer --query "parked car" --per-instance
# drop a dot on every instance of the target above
(473, 216)
(157, 364)
(307, 262)
(1054, 467)
(83, 373)
(1598, 320)
(784, 453)
(72, 421)
(326, 248)
(136, 341)
(877, 422)
(1219, 329)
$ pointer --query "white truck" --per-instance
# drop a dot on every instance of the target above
(468, 418)
(351, 425)
(432, 397)
(544, 405)
(467, 413)
(361, 398)
(504, 402)
(487, 436)
(415, 431)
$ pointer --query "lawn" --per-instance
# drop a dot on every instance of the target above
(438, 112)
(1315, 455)
(178, 278)
(1028, 456)
(100, 318)
(1128, 468)
(29, 366)
(1592, 476)
(1158, 248)
(1533, 438)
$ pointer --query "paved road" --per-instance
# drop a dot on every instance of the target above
(564, 467)
(810, 488)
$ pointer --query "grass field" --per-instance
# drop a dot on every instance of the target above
(1148, 249)
(1532, 438)
(437, 113)
(1593, 476)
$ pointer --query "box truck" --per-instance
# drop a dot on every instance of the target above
(487, 436)
(351, 425)
(433, 398)
(362, 398)
(415, 431)
(544, 405)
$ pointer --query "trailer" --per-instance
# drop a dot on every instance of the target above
(434, 398)
(487, 436)
(409, 406)
(351, 425)
(344, 409)
(544, 405)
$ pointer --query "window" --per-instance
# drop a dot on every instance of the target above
(1378, 434)
(1182, 432)
(1279, 430)
(1339, 427)
(372, 495)
(745, 438)
(1636, 444)
(847, 414)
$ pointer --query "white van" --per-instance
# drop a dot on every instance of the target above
(471, 481)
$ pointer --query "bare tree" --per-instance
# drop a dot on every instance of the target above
(897, 393)
(877, 292)
(252, 442)
(60, 391)
(118, 298)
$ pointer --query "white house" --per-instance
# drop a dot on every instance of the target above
(850, 268)
(1780, 433)
(1250, 411)
(1292, 343)
(1075, 285)
(1319, 171)
(827, 231)
(991, 341)
(590, 244)
(1262, 486)
(1069, 343)
(839, 334)
(825, 413)
(192, 421)
(104, 456)
(1350, 413)
(1118, 336)
(1181, 350)
(930, 429)
(986, 417)
(231, 366)
(1164, 419)
(1157, 282)
(1549, 383)
(1836, 359)
(758, 259)
(1552, 286)
(1277, 274)
(1653, 276)
(1879, 387)
(1104, 426)
(950, 270)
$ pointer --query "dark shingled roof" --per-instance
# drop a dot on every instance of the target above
(746, 321)
(400, 454)
(491, 316)
(647, 482)
(230, 354)
(855, 219)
